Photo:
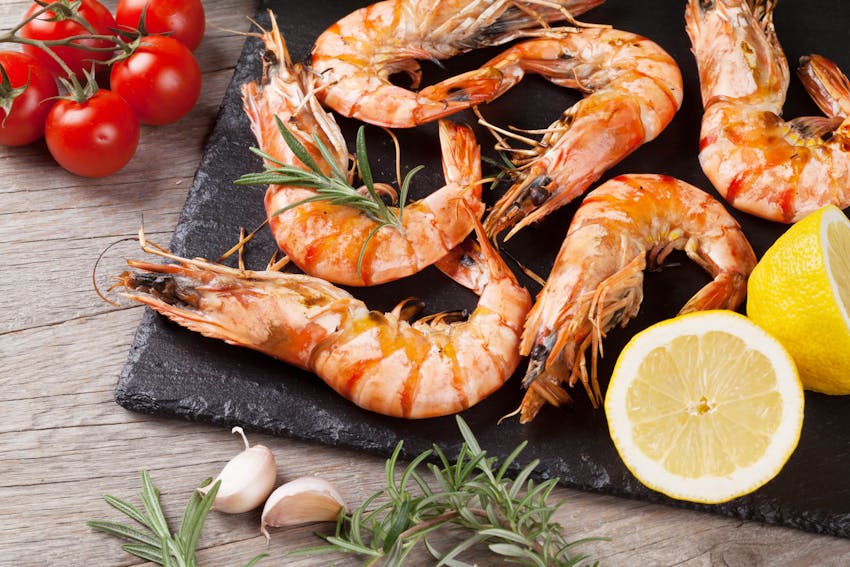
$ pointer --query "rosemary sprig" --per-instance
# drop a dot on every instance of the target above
(472, 495)
(334, 188)
(154, 541)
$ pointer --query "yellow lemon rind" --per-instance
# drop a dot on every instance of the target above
(709, 489)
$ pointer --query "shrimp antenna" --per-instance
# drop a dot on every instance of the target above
(100, 256)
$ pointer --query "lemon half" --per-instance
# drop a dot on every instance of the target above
(704, 407)
(800, 293)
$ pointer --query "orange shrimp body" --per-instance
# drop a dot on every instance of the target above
(633, 88)
(379, 361)
(357, 55)
(624, 226)
(326, 239)
(761, 164)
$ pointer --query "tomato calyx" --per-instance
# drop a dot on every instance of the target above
(62, 10)
(77, 91)
(8, 93)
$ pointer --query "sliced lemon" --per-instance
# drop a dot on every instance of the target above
(800, 293)
(704, 407)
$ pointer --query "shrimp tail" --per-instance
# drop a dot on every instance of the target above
(826, 84)
(726, 291)
(465, 90)
(475, 261)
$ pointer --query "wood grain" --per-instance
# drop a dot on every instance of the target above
(65, 442)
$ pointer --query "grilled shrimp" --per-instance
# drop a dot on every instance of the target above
(325, 239)
(633, 88)
(760, 163)
(357, 55)
(379, 361)
(624, 226)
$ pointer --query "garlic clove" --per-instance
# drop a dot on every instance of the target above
(246, 480)
(302, 501)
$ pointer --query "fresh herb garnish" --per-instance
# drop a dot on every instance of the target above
(154, 541)
(334, 187)
(473, 496)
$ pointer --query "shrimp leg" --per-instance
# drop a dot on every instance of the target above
(357, 56)
(623, 226)
(337, 242)
(761, 164)
(633, 89)
(380, 361)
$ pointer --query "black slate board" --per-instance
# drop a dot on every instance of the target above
(174, 372)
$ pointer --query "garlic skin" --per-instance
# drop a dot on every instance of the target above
(302, 501)
(246, 480)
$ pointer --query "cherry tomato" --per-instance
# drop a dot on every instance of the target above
(28, 110)
(182, 19)
(94, 138)
(161, 80)
(49, 26)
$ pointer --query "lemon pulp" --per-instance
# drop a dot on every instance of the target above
(705, 407)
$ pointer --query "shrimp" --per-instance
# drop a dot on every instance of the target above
(325, 239)
(358, 55)
(379, 361)
(624, 226)
(761, 164)
(633, 88)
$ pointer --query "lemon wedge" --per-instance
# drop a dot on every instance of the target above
(704, 407)
(799, 292)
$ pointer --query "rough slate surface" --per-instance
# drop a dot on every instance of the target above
(174, 372)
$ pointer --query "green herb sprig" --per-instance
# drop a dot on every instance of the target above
(473, 496)
(154, 541)
(334, 188)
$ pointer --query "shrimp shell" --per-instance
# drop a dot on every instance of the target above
(357, 55)
(379, 361)
(325, 239)
(633, 89)
(761, 164)
(624, 226)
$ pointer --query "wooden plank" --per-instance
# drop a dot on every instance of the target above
(65, 442)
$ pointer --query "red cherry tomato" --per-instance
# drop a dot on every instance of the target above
(49, 27)
(94, 138)
(28, 111)
(182, 19)
(161, 80)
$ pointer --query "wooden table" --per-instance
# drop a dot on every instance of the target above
(65, 442)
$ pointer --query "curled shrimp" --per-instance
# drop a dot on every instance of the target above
(633, 89)
(337, 242)
(761, 164)
(358, 55)
(379, 361)
(624, 226)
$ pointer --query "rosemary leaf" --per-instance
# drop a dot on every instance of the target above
(471, 496)
(203, 508)
(127, 509)
(150, 497)
(363, 162)
(329, 158)
(404, 189)
(189, 515)
(362, 253)
(256, 559)
(297, 147)
(162, 547)
(146, 552)
(125, 532)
